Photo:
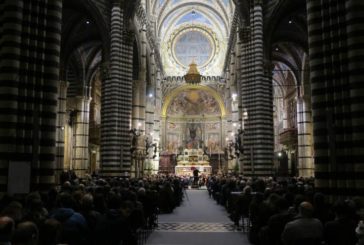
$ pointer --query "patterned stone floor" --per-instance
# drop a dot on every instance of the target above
(195, 227)
(198, 221)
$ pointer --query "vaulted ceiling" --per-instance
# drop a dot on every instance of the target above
(192, 31)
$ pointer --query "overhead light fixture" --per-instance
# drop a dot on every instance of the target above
(87, 22)
(290, 22)
(193, 76)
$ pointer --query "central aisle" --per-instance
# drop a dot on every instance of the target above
(198, 221)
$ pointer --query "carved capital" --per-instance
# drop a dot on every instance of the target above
(258, 2)
(117, 2)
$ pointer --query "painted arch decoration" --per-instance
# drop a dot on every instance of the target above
(193, 100)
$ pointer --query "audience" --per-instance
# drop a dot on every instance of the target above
(287, 211)
(113, 211)
(91, 211)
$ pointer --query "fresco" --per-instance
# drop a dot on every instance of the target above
(196, 17)
(212, 126)
(172, 143)
(193, 102)
(213, 143)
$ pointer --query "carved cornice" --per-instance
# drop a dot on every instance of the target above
(232, 39)
(143, 21)
(172, 82)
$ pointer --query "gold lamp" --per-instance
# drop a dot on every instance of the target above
(193, 76)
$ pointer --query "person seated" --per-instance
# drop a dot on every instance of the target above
(305, 230)
(359, 231)
(341, 230)
(26, 233)
(74, 225)
(7, 226)
(50, 232)
(276, 223)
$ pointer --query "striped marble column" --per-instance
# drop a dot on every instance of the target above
(157, 120)
(238, 84)
(235, 125)
(150, 99)
(29, 73)
(139, 87)
(116, 99)
(125, 97)
(355, 13)
(257, 98)
(304, 132)
(61, 123)
(138, 105)
(336, 62)
(80, 161)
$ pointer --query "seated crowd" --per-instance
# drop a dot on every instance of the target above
(88, 211)
(288, 212)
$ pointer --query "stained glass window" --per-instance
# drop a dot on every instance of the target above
(193, 46)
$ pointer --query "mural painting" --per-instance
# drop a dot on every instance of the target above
(192, 103)
(213, 143)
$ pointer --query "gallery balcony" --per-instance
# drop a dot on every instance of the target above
(288, 137)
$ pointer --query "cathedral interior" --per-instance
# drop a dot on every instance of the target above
(128, 87)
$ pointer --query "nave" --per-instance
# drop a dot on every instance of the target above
(198, 221)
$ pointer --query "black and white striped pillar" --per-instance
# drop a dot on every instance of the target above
(335, 30)
(80, 158)
(117, 98)
(61, 126)
(257, 98)
(30, 35)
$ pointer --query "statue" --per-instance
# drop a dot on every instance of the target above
(134, 140)
(239, 142)
(194, 142)
(192, 132)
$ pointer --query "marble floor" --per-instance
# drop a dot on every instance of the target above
(198, 221)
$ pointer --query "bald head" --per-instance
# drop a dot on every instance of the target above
(306, 209)
(7, 225)
(26, 233)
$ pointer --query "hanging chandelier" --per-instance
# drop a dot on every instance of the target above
(193, 76)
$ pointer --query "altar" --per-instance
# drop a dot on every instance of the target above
(190, 160)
